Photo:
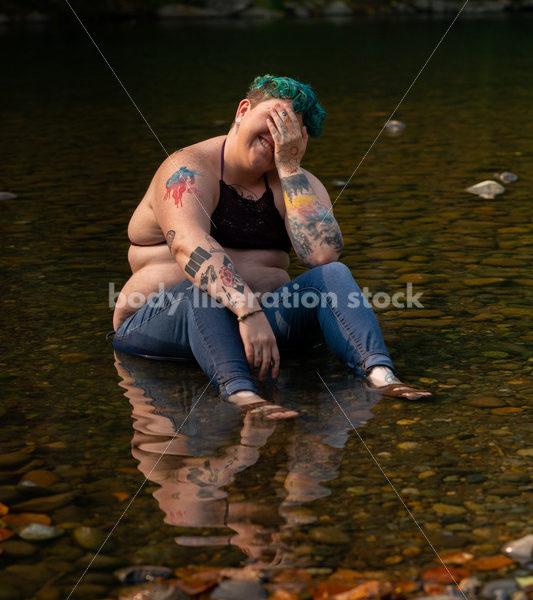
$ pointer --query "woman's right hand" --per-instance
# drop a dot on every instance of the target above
(260, 344)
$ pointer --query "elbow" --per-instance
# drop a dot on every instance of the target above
(322, 257)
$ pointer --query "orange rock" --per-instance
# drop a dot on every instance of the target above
(40, 477)
(195, 580)
(23, 519)
(489, 563)
(121, 496)
(405, 586)
(456, 558)
(507, 410)
(430, 587)
(5, 534)
(291, 576)
(346, 576)
(369, 589)
(326, 591)
(283, 595)
(444, 574)
(3, 509)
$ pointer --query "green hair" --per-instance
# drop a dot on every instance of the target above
(303, 98)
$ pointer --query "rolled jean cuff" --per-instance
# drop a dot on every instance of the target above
(377, 360)
(238, 384)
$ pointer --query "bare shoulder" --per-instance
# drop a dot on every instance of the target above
(201, 160)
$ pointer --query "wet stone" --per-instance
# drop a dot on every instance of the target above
(525, 452)
(89, 538)
(448, 509)
(101, 561)
(498, 588)
(13, 459)
(485, 402)
(239, 590)
(40, 477)
(45, 504)
(521, 549)
(329, 535)
(18, 548)
(39, 532)
(89, 591)
(142, 573)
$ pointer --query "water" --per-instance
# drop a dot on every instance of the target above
(304, 493)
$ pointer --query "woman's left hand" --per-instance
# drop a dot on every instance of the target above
(290, 138)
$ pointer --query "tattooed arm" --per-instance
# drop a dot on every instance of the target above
(314, 232)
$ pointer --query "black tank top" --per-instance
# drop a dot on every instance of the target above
(238, 222)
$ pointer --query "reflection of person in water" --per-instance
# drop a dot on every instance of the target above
(193, 458)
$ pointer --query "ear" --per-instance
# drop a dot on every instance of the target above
(243, 108)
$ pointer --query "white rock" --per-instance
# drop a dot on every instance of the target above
(337, 9)
(520, 549)
(486, 189)
(37, 531)
(394, 127)
(7, 196)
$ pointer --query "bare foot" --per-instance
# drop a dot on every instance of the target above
(400, 390)
(255, 405)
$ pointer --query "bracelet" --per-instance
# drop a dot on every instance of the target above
(249, 314)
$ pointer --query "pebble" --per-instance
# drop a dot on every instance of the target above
(100, 561)
(487, 189)
(7, 196)
(13, 459)
(239, 590)
(448, 509)
(407, 445)
(339, 183)
(89, 538)
(485, 402)
(525, 452)
(506, 177)
(39, 532)
(40, 477)
(45, 504)
(18, 548)
(394, 127)
(141, 573)
(329, 535)
(498, 587)
(521, 549)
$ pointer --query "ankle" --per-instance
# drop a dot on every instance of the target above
(380, 376)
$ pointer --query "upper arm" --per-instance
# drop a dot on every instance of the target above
(183, 198)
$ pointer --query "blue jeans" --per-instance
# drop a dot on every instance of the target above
(324, 303)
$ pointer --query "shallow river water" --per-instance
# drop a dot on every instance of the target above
(82, 429)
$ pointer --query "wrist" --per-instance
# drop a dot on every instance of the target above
(249, 314)
(287, 170)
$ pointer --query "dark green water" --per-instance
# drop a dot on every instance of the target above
(79, 157)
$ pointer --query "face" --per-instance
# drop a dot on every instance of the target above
(253, 131)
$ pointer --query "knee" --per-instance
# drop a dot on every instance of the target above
(333, 271)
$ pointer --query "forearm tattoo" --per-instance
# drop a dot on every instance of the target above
(196, 259)
(311, 223)
(229, 279)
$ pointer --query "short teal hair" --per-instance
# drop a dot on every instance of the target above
(303, 98)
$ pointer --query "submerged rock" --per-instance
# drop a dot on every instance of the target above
(506, 177)
(142, 573)
(487, 189)
(521, 549)
(7, 196)
(239, 590)
(39, 532)
(89, 538)
(394, 127)
(499, 588)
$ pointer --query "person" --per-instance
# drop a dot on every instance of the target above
(209, 254)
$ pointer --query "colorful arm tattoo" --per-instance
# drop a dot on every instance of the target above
(180, 182)
(311, 223)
